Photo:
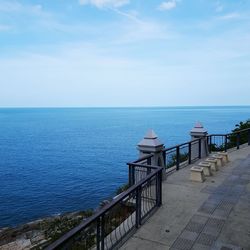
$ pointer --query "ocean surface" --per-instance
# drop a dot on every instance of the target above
(67, 159)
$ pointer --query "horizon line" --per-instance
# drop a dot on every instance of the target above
(65, 107)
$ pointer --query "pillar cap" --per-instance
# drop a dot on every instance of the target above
(150, 140)
(198, 128)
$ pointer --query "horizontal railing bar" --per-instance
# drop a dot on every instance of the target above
(179, 145)
(141, 165)
(143, 158)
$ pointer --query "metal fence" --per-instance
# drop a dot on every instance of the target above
(182, 154)
(223, 142)
(109, 227)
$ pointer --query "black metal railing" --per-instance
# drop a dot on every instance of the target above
(139, 169)
(110, 226)
(182, 154)
(223, 142)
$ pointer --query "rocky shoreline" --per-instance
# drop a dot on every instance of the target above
(40, 233)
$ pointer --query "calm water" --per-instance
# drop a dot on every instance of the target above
(58, 160)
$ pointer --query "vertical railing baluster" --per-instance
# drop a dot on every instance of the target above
(138, 207)
(249, 137)
(177, 158)
(98, 234)
(210, 144)
(159, 189)
(238, 140)
(149, 161)
(102, 232)
(189, 153)
(200, 148)
(164, 158)
(130, 175)
(133, 175)
(225, 143)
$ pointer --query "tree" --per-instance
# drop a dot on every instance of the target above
(243, 137)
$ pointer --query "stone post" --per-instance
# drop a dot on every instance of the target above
(199, 132)
(150, 144)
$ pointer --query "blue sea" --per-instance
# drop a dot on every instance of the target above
(56, 160)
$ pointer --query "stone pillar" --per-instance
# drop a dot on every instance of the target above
(199, 132)
(151, 144)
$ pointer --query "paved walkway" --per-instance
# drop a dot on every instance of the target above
(210, 215)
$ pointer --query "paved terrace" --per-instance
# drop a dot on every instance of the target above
(210, 215)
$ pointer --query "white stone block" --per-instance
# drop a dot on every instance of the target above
(219, 159)
(206, 168)
(197, 174)
(225, 156)
(213, 163)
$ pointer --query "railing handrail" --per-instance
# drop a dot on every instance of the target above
(180, 145)
(103, 210)
(196, 140)
(146, 157)
(142, 165)
(235, 132)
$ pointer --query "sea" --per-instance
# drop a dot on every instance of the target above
(57, 160)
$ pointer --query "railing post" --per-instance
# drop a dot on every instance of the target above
(130, 175)
(238, 140)
(177, 158)
(159, 189)
(164, 158)
(138, 207)
(148, 163)
(102, 232)
(189, 153)
(210, 144)
(200, 148)
(249, 137)
(133, 175)
(225, 137)
(98, 234)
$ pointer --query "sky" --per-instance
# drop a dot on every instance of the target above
(106, 53)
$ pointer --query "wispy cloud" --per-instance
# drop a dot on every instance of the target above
(17, 7)
(105, 3)
(168, 5)
(4, 27)
(230, 16)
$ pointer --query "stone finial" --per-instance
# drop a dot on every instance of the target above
(150, 144)
(198, 129)
(150, 140)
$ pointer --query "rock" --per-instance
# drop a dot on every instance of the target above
(17, 245)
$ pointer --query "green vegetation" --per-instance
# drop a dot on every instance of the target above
(57, 227)
(172, 161)
(232, 138)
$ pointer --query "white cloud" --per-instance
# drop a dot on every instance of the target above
(167, 5)
(233, 15)
(4, 27)
(15, 6)
(104, 3)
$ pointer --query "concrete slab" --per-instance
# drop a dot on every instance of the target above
(201, 216)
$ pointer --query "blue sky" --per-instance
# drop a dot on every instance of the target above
(124, 52)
